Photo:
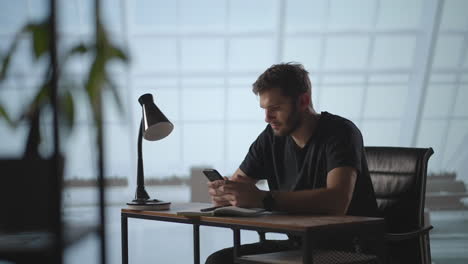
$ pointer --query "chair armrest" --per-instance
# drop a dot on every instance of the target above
(405, 236)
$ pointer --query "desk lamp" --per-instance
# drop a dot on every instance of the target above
(154, 126)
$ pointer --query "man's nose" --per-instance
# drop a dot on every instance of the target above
(268, 116)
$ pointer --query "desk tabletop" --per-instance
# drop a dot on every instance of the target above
(290, 222)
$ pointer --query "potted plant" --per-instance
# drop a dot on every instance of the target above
(26, 182)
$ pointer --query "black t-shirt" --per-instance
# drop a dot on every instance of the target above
(336, 142)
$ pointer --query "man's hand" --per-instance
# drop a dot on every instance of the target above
(217, 196)
(242, 193)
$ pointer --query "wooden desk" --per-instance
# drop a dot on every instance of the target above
(309, 227)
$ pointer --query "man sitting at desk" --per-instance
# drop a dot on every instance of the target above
(314, 162)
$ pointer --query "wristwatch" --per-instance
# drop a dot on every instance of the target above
(269, 201)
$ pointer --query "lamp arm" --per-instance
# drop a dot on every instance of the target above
(141, 193)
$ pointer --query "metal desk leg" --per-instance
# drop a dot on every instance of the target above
(307, 248)
(236, 233)
(261, 236)
(124, 231)
(196, 243)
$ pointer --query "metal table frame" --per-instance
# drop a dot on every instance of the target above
(374, 230)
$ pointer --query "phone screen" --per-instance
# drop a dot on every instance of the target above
(212, 174)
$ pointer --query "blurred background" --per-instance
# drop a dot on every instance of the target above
(397, 68)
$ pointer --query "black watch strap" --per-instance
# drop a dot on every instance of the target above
(269, 202)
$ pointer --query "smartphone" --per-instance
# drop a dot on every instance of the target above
(212, 174)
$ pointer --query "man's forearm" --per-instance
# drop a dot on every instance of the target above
(317, 201)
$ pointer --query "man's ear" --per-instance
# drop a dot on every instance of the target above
(304, 101)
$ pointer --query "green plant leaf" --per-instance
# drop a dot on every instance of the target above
(67, 113)
(7, 57)
(118, 54)
(94, 85)
(98, 79)
(39, 100)
(79, 49)
(40, 38)
(5, 66)
(115, 94)
(4, 114)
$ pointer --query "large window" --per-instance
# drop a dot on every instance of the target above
(374, 62)
(444, 122)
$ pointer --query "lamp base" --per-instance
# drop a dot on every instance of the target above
(149, 205)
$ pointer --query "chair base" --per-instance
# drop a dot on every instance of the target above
(320, 256)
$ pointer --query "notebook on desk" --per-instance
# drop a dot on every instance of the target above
(225, 211)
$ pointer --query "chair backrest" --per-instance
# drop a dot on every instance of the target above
(399, 180)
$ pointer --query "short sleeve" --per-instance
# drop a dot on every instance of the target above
(344, 149)
(254, 162)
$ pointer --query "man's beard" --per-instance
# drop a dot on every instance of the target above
(292, 123)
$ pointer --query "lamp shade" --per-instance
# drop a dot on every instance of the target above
(156, 126)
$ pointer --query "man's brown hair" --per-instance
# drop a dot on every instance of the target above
(291, 78)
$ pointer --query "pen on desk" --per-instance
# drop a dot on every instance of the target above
(212, 208)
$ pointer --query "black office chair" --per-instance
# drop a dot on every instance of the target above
(399, 180)
(30, 211)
